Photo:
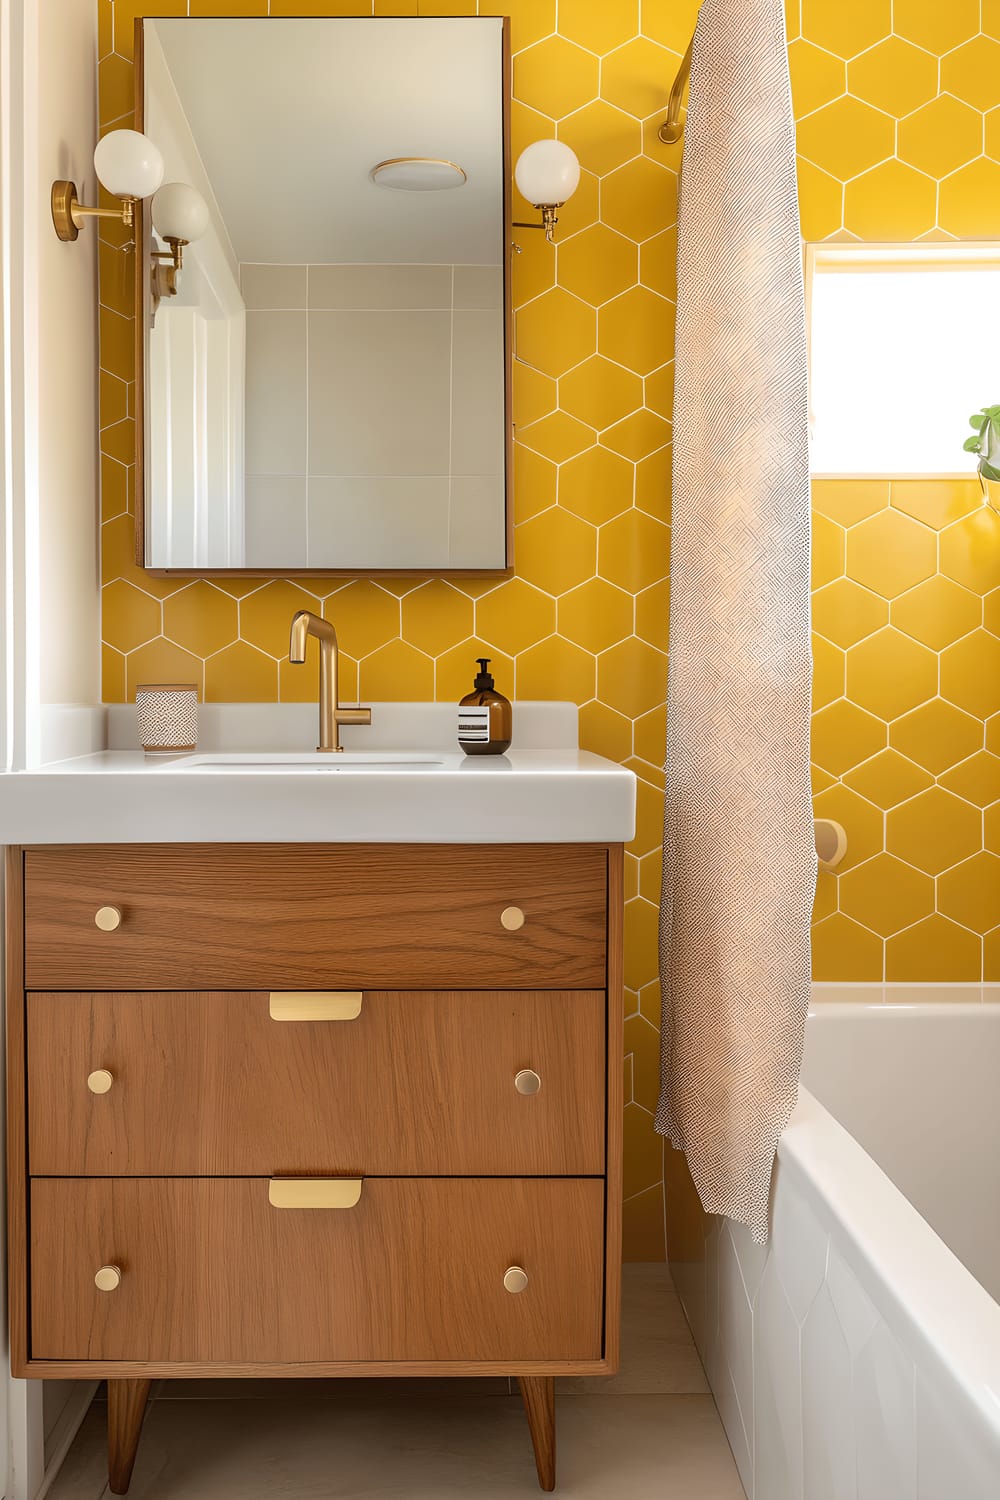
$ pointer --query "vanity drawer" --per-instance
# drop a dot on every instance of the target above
(334, 916)
(420, 1083)
(210, 1270)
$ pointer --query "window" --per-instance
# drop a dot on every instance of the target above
(902, 349)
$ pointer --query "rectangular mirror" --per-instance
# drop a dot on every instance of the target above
(326, 378)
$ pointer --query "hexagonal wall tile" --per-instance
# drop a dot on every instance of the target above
(436, 614)
(821, 201)
(658, 263)
(395, 669)
(941, 137)
(845, 613)
(937, 27)
(843, 735)
(848, 501)
(598, 264)
(972, 72)
(555, 77)
(970, 550)
(640, 199)
(890, 553)
(556, 551)
(817, 77)
(846, 28)
(516, 614)
(652, 614)
(828, 672)
(555, 332)
(934, 830)
(934, 950)
(886, 894)
(632, 677)
(895, 76)
(556, 668)
(605, 732)
(936, 502)
(846, 137)
(936, 612)
(936, 735)
(889, 674)
(600, 392)
(598, 26)
(535, 480)
(844, 950)
(596, 485)
(892, 201)
(365, 617)
(828, 545)
(241, 674)
(129, 617)
(634, 551)
(888, 779)
(557, 437)
(970, 892)
(976, 779)
(632, 77)
(596, 615)
(637, 434)
(970, 673)
(968, 200)
(637, 330)
(202, 619)
(602, 136)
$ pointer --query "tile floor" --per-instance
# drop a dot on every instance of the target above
(650, 1432)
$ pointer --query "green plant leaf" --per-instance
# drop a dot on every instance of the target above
(976, 421)
(971, 445)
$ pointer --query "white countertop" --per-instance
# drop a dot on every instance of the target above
(378, 793)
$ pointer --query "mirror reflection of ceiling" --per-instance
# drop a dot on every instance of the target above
(290, 116)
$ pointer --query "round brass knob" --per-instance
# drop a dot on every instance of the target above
(526, 1082)
(512, 917)
(100, 1081)
(108, 918)
(514, 1279)
(108, 1279)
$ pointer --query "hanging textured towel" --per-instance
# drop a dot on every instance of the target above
(739, 860)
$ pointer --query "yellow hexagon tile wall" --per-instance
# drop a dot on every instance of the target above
(882, 154)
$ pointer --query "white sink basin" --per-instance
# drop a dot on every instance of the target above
(266, 762)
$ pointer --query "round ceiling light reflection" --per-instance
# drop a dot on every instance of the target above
(418, 174)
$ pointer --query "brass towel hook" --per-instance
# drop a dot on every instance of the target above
(672, 129)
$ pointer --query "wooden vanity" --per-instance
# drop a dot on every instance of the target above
(314, 1110)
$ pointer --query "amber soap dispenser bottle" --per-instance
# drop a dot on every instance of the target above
(484, 716)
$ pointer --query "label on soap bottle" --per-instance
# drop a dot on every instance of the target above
(474, 724)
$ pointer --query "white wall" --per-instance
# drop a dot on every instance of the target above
(64, 107)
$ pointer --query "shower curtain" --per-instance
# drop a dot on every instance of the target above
(739, 859)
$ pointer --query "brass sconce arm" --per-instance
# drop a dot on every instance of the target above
(549, 220)
(69, 214)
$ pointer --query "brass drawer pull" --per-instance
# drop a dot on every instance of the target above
(108, 918)
(515, 1279)
(314, 1192)
(100, 1081)
(527, 1081)
(108, 1279)
(512, 918)
(315, 1005)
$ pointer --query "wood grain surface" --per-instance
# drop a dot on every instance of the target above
(210, 1271)
(420, 1083)
(343, 916)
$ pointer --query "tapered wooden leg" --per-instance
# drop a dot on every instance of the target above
(538, 1393)
(126, 1409)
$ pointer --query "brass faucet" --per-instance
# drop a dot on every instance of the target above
(331, 715)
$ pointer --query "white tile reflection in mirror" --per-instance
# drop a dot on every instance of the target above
(375, 334)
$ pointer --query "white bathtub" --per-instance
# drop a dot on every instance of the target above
(857, 1355)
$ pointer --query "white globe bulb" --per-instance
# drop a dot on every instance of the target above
(128, 164)
(547, 172)
(179, 212)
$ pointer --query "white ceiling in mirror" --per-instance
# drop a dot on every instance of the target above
(290, 116)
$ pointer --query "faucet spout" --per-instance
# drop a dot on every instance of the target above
(331, 715)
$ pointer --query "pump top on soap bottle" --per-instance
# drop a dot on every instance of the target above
(484, 716)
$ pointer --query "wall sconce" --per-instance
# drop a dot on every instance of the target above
(180, 215)
(547, 173)
(128, 164)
